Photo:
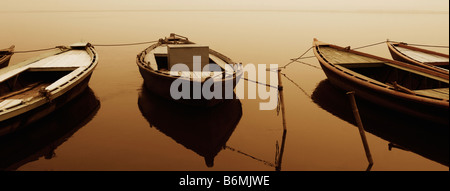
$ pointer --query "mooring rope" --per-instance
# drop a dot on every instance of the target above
(303, 57)
(126, 44)
(260, 83)
(60, 47)
(304, 92)
(316, 67)
(295, 59)
(369, 45)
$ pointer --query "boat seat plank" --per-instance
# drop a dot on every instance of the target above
(421, 56)
(65, 79)
(442, 93)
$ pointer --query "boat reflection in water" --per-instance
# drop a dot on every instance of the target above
(425, 138)
(202, 130)
(44, 136)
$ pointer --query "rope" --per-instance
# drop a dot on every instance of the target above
(260, 160)
(308, 64)
(126, 44)
(260, 83)
(370, 45)
(293, 60)
(303, 57)
(60, 47)
(296, 85)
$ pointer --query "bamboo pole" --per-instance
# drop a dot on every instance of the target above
(351, 96)
(280, 90)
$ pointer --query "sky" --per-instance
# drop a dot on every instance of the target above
(333, 5)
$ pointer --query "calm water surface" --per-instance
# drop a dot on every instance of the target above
(125, 128)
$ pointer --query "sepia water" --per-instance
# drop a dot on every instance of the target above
(118, 125)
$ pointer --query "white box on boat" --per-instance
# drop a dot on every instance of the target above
(185, 54)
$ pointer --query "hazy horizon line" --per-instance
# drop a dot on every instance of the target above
(368, 11)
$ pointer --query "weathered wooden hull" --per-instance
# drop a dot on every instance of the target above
(160, 82)
(399, 56)
(426, 108)
(202, 130)
(160, 85)
(392, 100)
(20, 115)
(21, 121)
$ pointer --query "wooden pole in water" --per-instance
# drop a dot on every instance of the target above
(351, 96)
(280, 90)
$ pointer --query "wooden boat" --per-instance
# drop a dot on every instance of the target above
(202, 130)
(417, 56)
(400, 86)
(402, 131)
(36, 87)
(5, 56)
(156, 61)
(43, 137)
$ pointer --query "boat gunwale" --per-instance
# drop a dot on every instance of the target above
(375, 86)
(405, 45)
(392, 47)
